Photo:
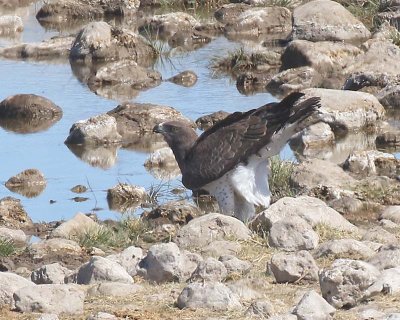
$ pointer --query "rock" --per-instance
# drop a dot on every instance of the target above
(124, 197)
(201, 231)
(10, 25)
(321, 20)
(235, 265)
(54, 246)
(388, 139)
(215, 296)
(114, 289)
(129, 259)
(54, 48)
(317, 136)
(227, 13)
(344, 248)
(362, 163)
(165, 262)
(101, 129)
(50, 274)
(48, 316)
(30, 183)
(137, 118)
(10, 283)
(209, 270)
(123, 75)
(313, 306)
(218, 248)
(293, 267)
(345, 283)
(370, 60)
(174, 212)
(288, 316)
(387, 257)
(391, 213)
(315, 172)
(26, 113)
(324, 57)
(247, 288)
(388, 224)
(12, 214)
(262, 308)
(206, 122)
(352, 109)
(51, 298)
(388, 281)
(261, 20)
(389, 96)
(380, 235)
(102, 156)
(312, 210)
(78, 225)
(166, 25)
(185, 78)
(292, 234)
(98, 41)
(294, 79)
(162, 164)
(101, 316)
(100, 269)
(370, 79)
(16, 237)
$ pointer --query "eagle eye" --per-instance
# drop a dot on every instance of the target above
(174, 129)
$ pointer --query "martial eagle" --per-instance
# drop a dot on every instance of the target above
(230, 159)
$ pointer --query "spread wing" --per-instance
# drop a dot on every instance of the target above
(232, 140)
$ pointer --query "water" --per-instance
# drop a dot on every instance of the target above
(63, 170)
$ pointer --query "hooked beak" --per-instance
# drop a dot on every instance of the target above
(158, 128)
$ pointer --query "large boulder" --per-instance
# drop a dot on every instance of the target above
(313, 306)
(344, 248)
(321, 20)
(74, 227)
(25, 113)
(387, 257)
(9, 284)
(129, 258)
(98, 41)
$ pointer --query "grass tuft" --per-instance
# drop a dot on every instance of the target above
(279, 179)
(7, 247)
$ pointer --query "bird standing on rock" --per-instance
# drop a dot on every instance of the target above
(230, 160)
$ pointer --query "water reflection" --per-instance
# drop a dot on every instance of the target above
(29, 191)
(99, 156)
(28, 125)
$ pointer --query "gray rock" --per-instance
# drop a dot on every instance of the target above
(114, 289)
(203, 230)
(50, 274)
(378, 234)
(209, 270)
(388, 282)
(391, 213)
(100, 269)
(261, 308)
(50, 298)
(166, 262)
(393, 316)
(54, 246)
(313, 306)
(288, 316)
(78, 225)
(292, 234)
(185, 78)
(312, 210)
(362, 163)
(54, 48)
(218, 248)
(48, 316)
(162, 164)
(17, 237)
(389, 96)
(326, 20)
(293, 267)
(235, 265)
(30, 183)
(10, 283)
(247, 289)
(317, 135)
(346, 282)
(351, 109)
(129, 259)
(323, 56)
(124, 197)
(101, 316)
(215, 296)
(387, 257)
(344, 248)
(101, 129)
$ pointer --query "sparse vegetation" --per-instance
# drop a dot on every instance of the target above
(279, 179)
(282, 3)
(394, 36)
(7, 247)
(327, 233)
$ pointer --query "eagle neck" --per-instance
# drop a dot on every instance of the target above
(181, 149)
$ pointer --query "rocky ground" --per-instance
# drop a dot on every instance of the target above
(327, 248)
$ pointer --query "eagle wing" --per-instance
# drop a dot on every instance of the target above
(238, 136)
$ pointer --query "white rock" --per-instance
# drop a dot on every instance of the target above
(388, 281)
(17, 237)
(292, 234)
(378, 234)
(129, 259)
(52, 246)
(387, 257)
(78, 225)
(347, 281)
(10, 283)
(115, 289)
(215, 296)
(261, 308)
(363, 162)
(235, 265)
(48, 316)
(247, 289)
(50, 274)
(218, 248)
(50, 298)
(209, 270)
(391, 213)
(166, 262)
(101, 316)
(293, 267)
(313, 306)
(343, 248)
(205, 229)
(100, 269)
